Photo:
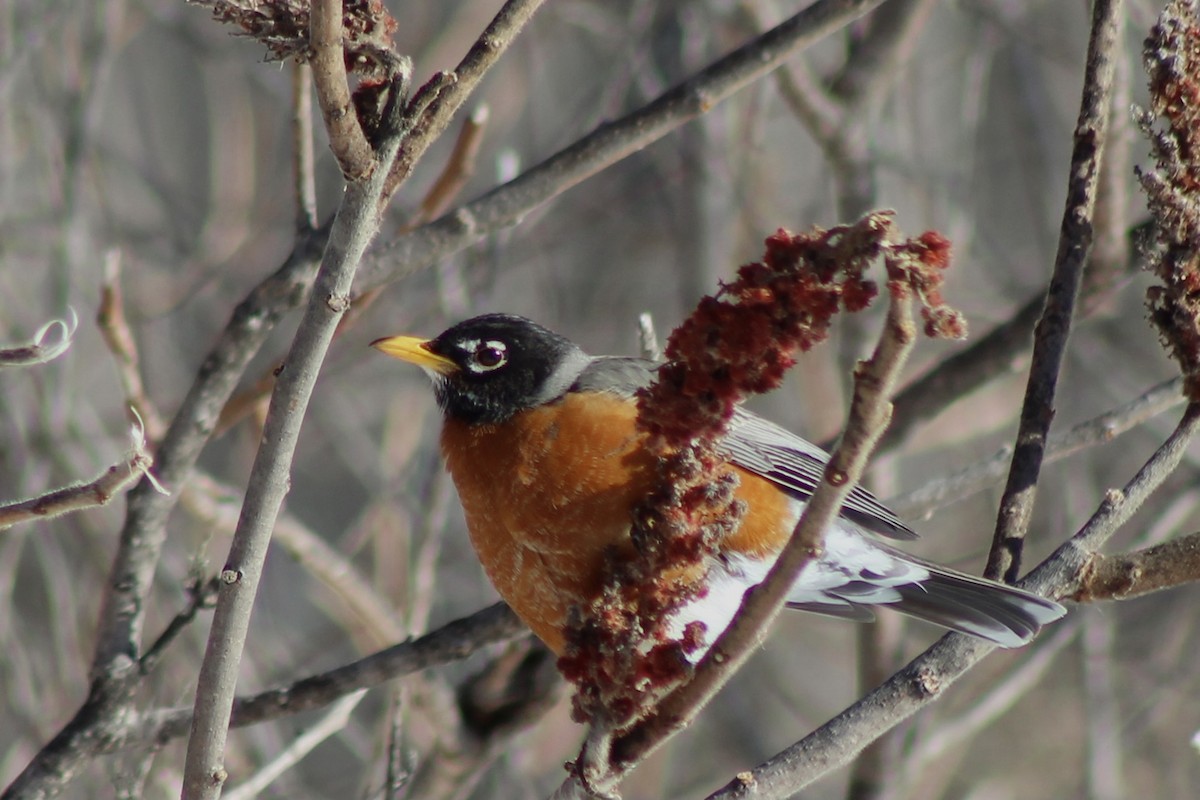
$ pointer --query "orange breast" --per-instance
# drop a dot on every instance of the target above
(546, 494)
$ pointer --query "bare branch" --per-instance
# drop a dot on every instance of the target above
(1074, 246)
(458, 169)
(216, 504)
(355, 225)
(328, 59)
(924, 679)
(303, 158)
(1066, 569)
(114, 328)
(1123, 576)
(452, 642)
(1096, 431)
(868, 417)
(430, 122)
(334, 720)
(99, 492)
(611, 142)
(994, 703)
(203, 593)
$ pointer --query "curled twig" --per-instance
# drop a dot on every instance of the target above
(48, 343)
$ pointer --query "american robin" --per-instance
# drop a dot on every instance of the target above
(540, 440)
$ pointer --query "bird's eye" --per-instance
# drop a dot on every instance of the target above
(488, 356)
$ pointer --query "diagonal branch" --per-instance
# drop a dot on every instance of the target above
(99, 492)
(924, 679)
(451, 642)
(1074, 246)
(355, 226)
(609, 143)
(488, 48)
(875, 380)
(1098, 430)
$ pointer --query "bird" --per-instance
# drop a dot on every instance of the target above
(541, 442)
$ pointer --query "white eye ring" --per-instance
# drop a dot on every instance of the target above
(488, 356)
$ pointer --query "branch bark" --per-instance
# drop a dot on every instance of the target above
(328, 62)
(1074, 246)
(354, 227)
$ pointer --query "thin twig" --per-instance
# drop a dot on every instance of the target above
(458, 169)
(451, 642)
(1096, 431)
(42, 347)
(98, 492)
(334, 720)
(989, 356)
(356, 223)
(346, 137)
(203, 593)
(1074, 246)
(216, 504)
(924, 679)
(609, 143)
(117, 335)
(429, 125)
(955, 732)
(303, 159)
(1067, 571)
(874, 61)
(99, 722)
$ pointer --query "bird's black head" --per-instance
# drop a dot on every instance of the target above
(488, 368)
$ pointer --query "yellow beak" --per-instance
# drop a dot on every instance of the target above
(414, 350)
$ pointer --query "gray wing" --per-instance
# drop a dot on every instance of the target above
(796, 465)
(757, 445)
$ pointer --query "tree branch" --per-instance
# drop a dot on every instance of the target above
(452, 642)
(328, 61)
(609, 143)
(41, 348)
(99, 492)
(429, 126)
(924, 679)
(1098, 430)
(1074, 246)
(1124, 576)
(270, 478)
(869, 412)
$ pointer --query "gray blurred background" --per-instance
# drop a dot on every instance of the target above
(145, 132)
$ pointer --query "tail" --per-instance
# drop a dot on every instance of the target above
(995, 612)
